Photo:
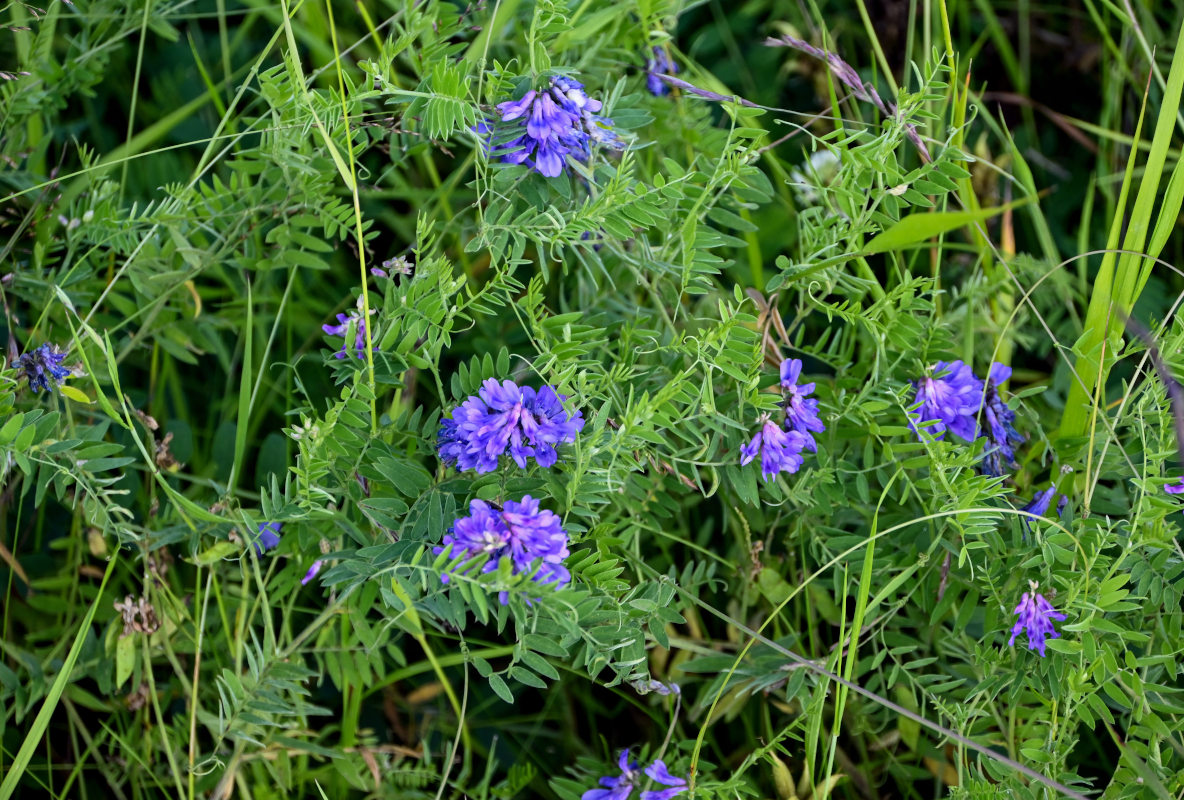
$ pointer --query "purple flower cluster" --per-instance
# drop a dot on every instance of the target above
(620, 787)
(505, 416)
(345, 322)
(780, 448)
(529, 536)
(659, 64)
(42, 366)
(954, 397)
(1036, 615)
(559, 121)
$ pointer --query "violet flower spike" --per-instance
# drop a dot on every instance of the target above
(532, 538)
(951, 395)
(616, 787)
(659, 63)
(507, 419)
(1036, 615)
(42, 367)
(780, 450)
(998, 424)
(1040, 503)
(658, 772)
(801, 411)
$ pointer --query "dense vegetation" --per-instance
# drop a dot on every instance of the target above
(591, 399)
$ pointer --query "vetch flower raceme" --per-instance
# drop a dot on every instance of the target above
(532, 538)
(952, 396)
(42, 367)
(344, 324)
(658, 772)
(1036, 615)
(1040, 503)
(780, 450)
(801, 411)
(559, 121)
(659, 64)
(998, 424)
(507, 417)
(620, 787)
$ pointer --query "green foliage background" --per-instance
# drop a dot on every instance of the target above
(190, 189)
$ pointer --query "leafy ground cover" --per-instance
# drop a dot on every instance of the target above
(591, 400)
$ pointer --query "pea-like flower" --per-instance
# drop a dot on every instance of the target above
(1036, 615)
(42, 367)
(1175, 488)
(531, 537)
(345, 323)
(620, 787)
(559, 121)
(507, 417)
(952, 395)
(1040, 503)
(659, 64)
(801, 411)
(780, 450)
(998, 424)
(267, 537)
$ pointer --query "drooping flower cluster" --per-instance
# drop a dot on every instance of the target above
(659, 64)
(345, 322)
(954, 397)
(1036, 615)
(559, 121)
(42, 366)
(780, 448)
(620, 787)
(507, 417)
(532, 538)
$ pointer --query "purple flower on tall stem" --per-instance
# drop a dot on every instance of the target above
(951, 394)
(42, 367)
(660, 63)
(532, 538)
(507, 417)
(801, 411)
(780, 450)
(1036, 615)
